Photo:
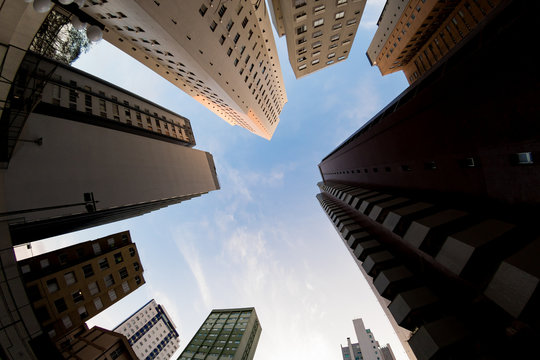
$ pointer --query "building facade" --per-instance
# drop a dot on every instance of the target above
(319, 33)
(150, 332)
(98, 343)
(97, 154)
(434, 198)
(68, 286)
(225, 334)
(414, 35)
(221, 54)
(367, 348)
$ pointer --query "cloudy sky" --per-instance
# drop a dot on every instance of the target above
(262, 240)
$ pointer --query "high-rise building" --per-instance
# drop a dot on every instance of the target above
(318, 34)
(150, 332)
(434, 198)
(97, 154)
(98, 343)
(68, 286)
(225, 334)
(222, 54)
(367, 348)
(414, 35)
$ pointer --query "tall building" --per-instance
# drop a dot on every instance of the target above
(319, 33)
(222, 54)
(98, 343)
(225, 334)
(96, 152)
(435, 199)
(367, 348)
(68, 286)
(414, 35)
(150, 332)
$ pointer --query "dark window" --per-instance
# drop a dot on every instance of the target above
(136, 266)
(244, 22)
(80, 252)
(222, 39)
(222, 10)
(103, 264)
(229, 52)
(118, 258)
(62, 258)
(213, 25)
(77, 296)
(132, 252)
(88, 271)
(203, 10)
(60, 305)
(33, 292)
(236, 38)
(138, 279)
(42, 314)
(116, 353)
(123, 273)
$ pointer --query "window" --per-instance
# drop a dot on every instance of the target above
(125, 286)
(318, 22)
(331, 55)
(52, 285)
(96, 248)
(353, 21)
(82, 312)
(213, 26)
(123, 273)
(340, 15)
(316, 44)
(314, 62)
(317, 34)
(116, 353)
(318, 9)
(77, 296)
(103, 264)
(244, 22)
(341, 2)
(302, 67)
(44, 263)
(236, 38)
(110, 242)
(334, 37)
(60, 305)
(25, 269)
(524, 158)
(136, 266)
(230, 25)
(88, 271)
(70, 278)
(229, 52)
(222, 10)
(67, 322)
(300, 30)
(203, 9)
(112, 295)
(93, 288)
(109, 280)
(131, 252)
(118, 256)
(341, 58)
(138, 280)
(299, 3)
(97, 303)
(336, 26)
(222, 39)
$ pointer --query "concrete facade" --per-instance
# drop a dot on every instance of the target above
(415, 35)
(319, 34)
(150, 332)
(225, 334)
(434, 198)
(221, 54)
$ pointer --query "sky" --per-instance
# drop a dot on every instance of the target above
(263, 239)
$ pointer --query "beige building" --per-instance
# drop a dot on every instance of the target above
(222, 54)
(68, 286)
(414, 35)
(99, 344)
(319, 33)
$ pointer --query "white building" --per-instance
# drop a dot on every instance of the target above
(319, 33)
(222, 53)
(151, 332)
(367, 347)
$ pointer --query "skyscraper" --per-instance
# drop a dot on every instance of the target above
(68, 286)
(367, 348)
(434, 198)
(319, 34)
(414, 35)
(222, 54)
(225, 334)
(150, 332)
(96, 152)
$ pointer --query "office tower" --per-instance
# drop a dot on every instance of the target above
(222, 54)
(96, 154)
(150, 332)
(318, 34)
(98, 343)
(367, 348)
(68, 286)
(414, 35)
(435, 198)
(225, 334)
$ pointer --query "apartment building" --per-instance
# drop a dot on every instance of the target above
(319, 33)
(151, 332)
(414, 35)
(68, 286)
(225, 334)
(222, 54)
(366, 347)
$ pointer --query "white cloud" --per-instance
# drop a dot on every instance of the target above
(191, 256)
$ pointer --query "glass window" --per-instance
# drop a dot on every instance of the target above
(96, 248)
(88, 271)
(109, 280)
(82, 312)
(125, 286)
(60, 305)
(52, 285)
(77, 296)
(112, 295)
(97, 303)
(70, 278)
(93, 288)
(103, 264)
(123, 273)
(67, 321)
(44, 263)
(340, 15)
(118, 258)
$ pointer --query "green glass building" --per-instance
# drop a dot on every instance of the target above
(227, 334)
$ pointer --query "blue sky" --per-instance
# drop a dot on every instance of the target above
(262, 240)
